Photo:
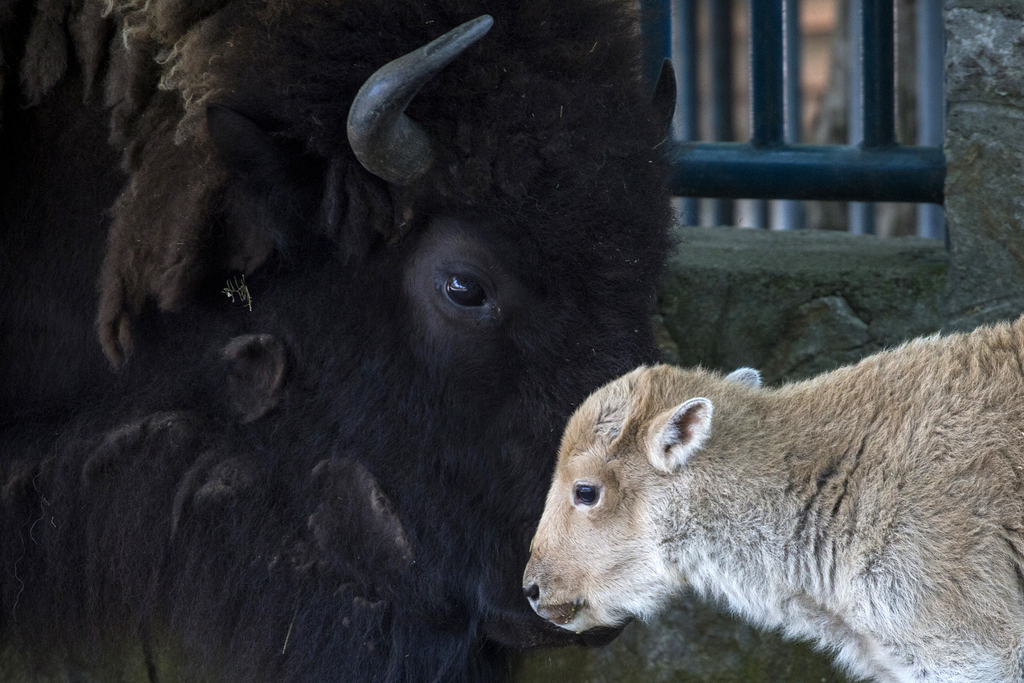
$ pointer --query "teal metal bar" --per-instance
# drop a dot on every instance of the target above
(826, 172)
(931, 101)
(767, 96)
(656, 31)
(860, 216)
(878, 73)
(872, 168)
(684, 55)
(722, 128)
(787, 214)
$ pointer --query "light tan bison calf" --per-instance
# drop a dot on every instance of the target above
(877, 509)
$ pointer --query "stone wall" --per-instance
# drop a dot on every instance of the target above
(985, 143)
(796, 304)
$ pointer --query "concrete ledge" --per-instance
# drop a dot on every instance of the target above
(795, 304)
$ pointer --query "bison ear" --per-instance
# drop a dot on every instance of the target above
(678, 433)
(248, 153)
(274, 191)
(748, 377)
(244, 146)
(256, 374)
(663, 100)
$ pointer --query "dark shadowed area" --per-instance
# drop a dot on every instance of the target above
(268, 414)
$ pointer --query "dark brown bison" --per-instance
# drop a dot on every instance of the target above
(346, 330)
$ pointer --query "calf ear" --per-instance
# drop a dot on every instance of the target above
(678, 433)
(745, 376)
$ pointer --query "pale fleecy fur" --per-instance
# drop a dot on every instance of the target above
(877, 509)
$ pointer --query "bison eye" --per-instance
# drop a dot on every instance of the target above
(585, 494)
(463, 290)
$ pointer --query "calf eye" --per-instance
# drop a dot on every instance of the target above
(463, 290)
(585, 494)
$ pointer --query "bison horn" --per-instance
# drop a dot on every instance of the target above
(388, 143)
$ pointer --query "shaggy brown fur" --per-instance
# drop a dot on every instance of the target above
(169, 58)
(339, 483)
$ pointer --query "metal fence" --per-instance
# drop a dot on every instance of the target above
(774, 164)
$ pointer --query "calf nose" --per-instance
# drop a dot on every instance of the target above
(532, 592)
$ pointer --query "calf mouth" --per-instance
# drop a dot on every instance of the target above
(561, 614)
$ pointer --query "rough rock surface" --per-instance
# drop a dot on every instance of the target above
(985, 126)
(798, 303)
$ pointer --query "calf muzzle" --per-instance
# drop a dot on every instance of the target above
(560, 614)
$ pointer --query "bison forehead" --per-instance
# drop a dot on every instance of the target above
(542, 120)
